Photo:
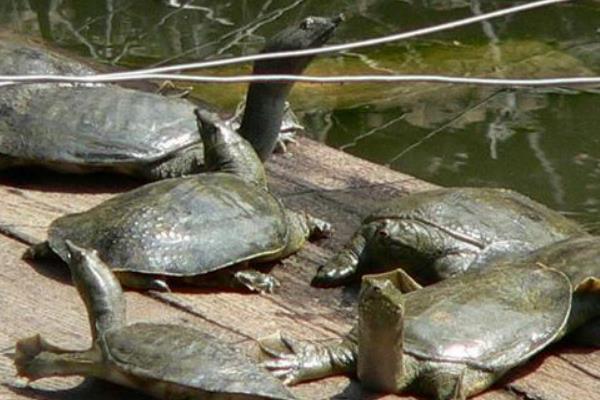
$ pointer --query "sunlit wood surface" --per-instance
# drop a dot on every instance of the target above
(38, 297)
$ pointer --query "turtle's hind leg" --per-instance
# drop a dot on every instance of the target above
(35, 358)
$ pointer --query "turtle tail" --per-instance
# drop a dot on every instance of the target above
(99, 289)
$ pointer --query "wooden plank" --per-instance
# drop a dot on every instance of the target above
(550, 377)
(329, 184)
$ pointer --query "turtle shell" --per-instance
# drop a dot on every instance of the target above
(21, 57)
(77, 125)
(95, 126)
(578, 258)
(186, 357)
(492, 320)
(482, 215)
(181, 227)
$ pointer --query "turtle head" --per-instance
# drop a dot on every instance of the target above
(265, 102)
(98, 287)
(311, 32)
(381, 333)
(379, 245)
(215, 131)
(226, 151)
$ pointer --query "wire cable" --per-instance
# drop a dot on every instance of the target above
(340, 79)
(309, 52)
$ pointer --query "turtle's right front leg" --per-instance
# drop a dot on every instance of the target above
(295, 361)
(35, 358)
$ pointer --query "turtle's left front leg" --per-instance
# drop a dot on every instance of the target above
(243, 278)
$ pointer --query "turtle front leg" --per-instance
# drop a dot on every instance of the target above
(290, 126)
(35, 358)
(188, 161)
(344, 267)
(238, 279)
(255, 281)
(318, 228)
(294, 361)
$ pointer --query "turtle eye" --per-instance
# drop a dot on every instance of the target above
(307, 23)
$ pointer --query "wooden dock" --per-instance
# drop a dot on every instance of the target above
(38, 297)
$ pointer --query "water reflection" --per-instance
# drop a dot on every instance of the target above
(543, 143)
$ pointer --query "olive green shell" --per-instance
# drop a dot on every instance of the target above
(181, 227)
(482, 215)
(578, 258)
(99, 126)
(492, 320)
(187, 357)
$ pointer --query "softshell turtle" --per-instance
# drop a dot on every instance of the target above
(111, 128)
(190, 226)
(440, 233)
(163, 360)
(454, 338)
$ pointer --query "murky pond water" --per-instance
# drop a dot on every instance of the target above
(545, 143)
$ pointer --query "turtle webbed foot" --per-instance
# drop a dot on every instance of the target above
(256, 281)
(294, 361)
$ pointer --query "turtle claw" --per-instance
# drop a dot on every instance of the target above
(319, 229)
(285, 138)
(169, 89)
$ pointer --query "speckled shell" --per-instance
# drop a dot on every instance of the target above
(492, 320)
(187, 357)
(19, 56)
(484, 214)
(181, 227)
(102, 126)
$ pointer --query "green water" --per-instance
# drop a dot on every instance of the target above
(545, 143)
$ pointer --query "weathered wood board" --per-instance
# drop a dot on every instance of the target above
(38, 298)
